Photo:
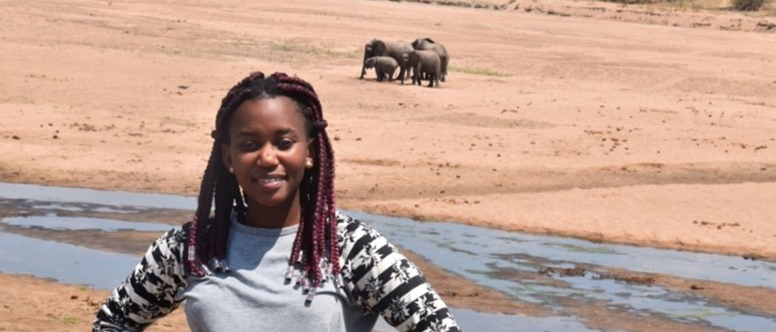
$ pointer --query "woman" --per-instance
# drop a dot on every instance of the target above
(275, 254)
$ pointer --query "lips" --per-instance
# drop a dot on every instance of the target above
(269, 181)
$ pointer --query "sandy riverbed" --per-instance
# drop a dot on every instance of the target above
(595, 127)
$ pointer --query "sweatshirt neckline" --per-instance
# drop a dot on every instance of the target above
(261, 231)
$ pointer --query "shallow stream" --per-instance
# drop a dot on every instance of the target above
(569, 269)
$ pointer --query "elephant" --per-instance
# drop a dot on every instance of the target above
(423, 62)
(395, 50)
(428, 44)
(384, 66)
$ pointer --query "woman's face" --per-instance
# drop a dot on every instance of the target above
(267, 150)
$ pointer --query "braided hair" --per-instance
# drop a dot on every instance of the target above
(315, 250)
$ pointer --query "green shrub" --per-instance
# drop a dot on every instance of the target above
(748, 5)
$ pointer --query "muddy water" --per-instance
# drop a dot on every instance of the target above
(547, 271)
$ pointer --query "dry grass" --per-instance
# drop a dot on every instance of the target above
(766, 7)
(761, 7)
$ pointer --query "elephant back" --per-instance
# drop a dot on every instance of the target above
(429, 44)
(426, 55)
(390, 48)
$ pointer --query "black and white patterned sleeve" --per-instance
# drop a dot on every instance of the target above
(149, 292)
(382, 280)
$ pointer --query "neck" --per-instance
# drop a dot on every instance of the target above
(284, 215)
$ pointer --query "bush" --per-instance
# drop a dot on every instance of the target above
(748, 5)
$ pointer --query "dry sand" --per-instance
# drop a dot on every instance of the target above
(595, 127)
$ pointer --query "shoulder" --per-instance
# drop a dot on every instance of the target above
(351, 231)
(177, 236)
(362, 249)
(346, 223)
(173, 242)
(166, 256)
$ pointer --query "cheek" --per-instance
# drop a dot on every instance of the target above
(238, 158)
(299, 159)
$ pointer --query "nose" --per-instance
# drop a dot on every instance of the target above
(267, 156)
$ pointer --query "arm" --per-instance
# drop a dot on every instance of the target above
(380, 279)
(149, 292)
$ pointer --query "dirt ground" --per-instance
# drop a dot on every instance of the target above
(626, 124)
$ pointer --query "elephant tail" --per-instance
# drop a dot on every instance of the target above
(445, 61)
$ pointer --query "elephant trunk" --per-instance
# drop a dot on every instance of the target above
(367, 54)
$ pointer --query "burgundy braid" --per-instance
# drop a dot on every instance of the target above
(316, 240)
(321, 204)
(208, 234)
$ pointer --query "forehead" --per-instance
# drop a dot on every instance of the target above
(267, 114)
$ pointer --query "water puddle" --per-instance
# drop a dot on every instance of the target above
(470, 319)
(544, 270)
(508, 261)
(92, 196)
(60, 223)
(64, 262)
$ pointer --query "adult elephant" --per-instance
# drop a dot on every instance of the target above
(378, 47)
(429, 44)
(424, 62)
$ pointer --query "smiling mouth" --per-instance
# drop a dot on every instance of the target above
(269, 181)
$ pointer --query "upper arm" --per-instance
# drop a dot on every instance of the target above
(382, 280)
(148, 293)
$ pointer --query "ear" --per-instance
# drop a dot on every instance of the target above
(311, 149)
(226, 157)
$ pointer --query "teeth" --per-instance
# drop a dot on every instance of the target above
(270, 179)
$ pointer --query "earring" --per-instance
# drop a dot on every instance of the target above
(231, 169)
(308, 163)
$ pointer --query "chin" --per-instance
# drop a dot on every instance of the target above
(274, 200)
(269, 202)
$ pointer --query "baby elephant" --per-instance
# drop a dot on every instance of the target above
(424, 62)
(384, 66)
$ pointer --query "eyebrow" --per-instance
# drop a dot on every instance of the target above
(248, 132)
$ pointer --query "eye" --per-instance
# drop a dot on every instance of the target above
(285, 143)
(249, 145)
